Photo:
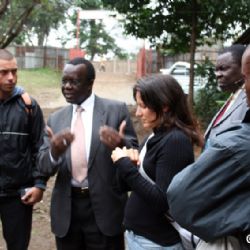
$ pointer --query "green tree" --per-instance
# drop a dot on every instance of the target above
(4, 6)
(182, 25)
(21, 19)
(49, 16)
(14, 14)
(208, 99)
(93, 36)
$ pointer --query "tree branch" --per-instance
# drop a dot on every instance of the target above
(3, 6)
(16, 27)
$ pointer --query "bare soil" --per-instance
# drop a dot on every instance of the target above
(114, 86)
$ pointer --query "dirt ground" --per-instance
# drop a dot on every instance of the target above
(115, 86)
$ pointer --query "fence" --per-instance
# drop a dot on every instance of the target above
(116, 66)
(148, 61)
(201, 54)
(29, 57)
(40, 57)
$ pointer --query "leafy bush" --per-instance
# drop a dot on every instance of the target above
(208, 99)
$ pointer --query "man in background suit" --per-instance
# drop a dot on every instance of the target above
(86, 214)
(230, 79)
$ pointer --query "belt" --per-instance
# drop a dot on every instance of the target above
(80, 192)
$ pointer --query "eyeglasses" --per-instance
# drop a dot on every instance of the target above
(72, 82)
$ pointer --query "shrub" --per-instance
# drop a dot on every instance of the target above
(209, 99)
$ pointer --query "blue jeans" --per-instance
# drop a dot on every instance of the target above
(137, 242)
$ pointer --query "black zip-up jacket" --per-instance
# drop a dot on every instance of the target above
(20, 139)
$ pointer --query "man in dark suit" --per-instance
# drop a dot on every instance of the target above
(230, 79)
(86, 213)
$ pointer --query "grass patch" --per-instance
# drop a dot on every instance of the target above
(32, 80)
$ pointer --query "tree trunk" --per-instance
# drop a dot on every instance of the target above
(192, 53)
(92, 40)
(44, 57)
(160, 63)
(41, 39)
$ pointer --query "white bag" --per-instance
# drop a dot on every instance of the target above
(226, 243)
(188, 240)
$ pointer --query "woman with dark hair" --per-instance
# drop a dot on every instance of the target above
(162, 107)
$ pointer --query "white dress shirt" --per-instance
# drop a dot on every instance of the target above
(87, 118)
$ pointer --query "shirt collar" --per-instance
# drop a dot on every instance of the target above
(88, 104)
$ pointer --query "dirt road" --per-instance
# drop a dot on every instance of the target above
(114, 86)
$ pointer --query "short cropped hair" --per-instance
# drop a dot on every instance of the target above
(236, 50)
(88, 64)
(5, 55)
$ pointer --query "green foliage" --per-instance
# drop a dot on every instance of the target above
(13, 18)
(53, 11)
(22, 18)
(93, 36)
(182, 25)
(172, 21)
(209, 99)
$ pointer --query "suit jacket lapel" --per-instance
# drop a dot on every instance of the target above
(65, 122)
(234, 106)
(212, 122)
(241, 98)
(98, 121)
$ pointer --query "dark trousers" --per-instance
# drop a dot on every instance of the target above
(83, 233)
(16, 222)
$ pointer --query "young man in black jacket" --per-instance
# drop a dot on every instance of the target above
(21, 185)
